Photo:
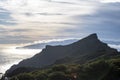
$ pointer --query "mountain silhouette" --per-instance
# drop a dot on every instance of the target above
(84, 50)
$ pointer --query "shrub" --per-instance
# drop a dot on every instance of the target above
(57, 76)
(41, 76)
(23, 76)
(62, 68)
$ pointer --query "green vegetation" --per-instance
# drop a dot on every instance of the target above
(96, 70)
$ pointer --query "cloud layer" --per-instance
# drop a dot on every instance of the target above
(42, 44)
(24, 21)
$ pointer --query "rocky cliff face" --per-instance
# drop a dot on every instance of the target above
(88, 48)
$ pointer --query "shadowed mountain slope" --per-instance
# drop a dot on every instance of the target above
(84, 50)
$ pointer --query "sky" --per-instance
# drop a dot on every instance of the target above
(24, 21)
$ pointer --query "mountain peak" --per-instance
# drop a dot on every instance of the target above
(93, 36)
(91, 39)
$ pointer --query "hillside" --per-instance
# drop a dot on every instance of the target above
(101, 69)
(82, 51)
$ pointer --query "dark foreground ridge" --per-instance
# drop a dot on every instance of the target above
(85, 50)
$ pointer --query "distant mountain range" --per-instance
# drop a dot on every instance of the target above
(42, 44)
(82, 51)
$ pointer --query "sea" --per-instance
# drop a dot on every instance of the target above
(9, 56)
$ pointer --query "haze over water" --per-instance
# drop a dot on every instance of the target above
(10, 55)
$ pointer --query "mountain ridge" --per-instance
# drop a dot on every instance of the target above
(86, 49)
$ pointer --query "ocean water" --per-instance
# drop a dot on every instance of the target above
(10, 55)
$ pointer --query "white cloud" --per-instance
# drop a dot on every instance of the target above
(42, 19)
(109, 1)
(53, 42)
(19, 8)
(115, 46)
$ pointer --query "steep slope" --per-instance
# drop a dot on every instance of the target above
(81, 51)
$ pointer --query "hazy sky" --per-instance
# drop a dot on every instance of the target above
(23, 21)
